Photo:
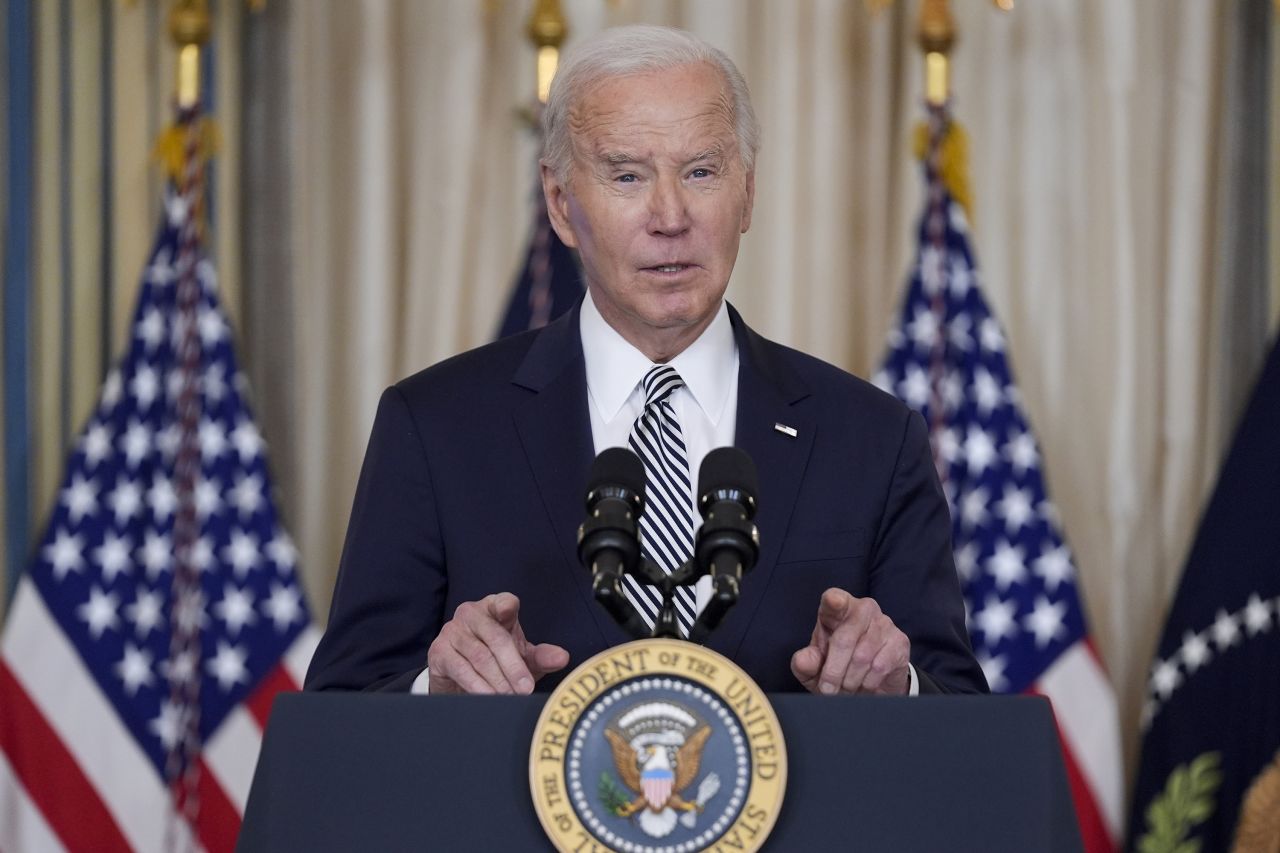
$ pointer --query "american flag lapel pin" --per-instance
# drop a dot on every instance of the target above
(786, 430)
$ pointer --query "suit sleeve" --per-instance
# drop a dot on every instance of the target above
(913, 574)
(389, 599)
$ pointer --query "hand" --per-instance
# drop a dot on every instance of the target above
(482, 649)
(855, 649)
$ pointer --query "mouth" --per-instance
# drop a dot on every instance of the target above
(672, 269)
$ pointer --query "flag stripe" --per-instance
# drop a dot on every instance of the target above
(1093, 829)
(55, 679)
(259, 701)
(232, 754)
(298, 657)
(23, 829)
(51, 776)
(218, 821)
(1088, 720)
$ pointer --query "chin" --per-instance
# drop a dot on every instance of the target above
(674, 317)
(681, 308)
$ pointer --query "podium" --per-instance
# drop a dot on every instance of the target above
(341, 772)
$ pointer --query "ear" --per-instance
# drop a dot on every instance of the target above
(750, 202)
(557, 197)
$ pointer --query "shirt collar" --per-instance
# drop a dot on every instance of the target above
(708, 366)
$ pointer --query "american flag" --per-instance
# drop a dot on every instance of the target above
(161, 612)
(948, 360)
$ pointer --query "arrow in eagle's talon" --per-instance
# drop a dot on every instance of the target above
(706, 790)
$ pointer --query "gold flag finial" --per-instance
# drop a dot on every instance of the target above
(189, 26)
(547, 29)
(936, 35)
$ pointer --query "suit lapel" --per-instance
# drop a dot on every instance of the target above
(769, 393)
(555, 431)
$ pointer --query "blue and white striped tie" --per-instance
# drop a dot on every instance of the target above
(666, 528)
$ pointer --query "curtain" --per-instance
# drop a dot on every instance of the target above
(1101, 137)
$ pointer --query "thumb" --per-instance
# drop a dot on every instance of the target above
(544, 658)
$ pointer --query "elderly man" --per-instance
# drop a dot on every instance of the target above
(460, 571)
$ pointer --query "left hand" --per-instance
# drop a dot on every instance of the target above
(855, 649)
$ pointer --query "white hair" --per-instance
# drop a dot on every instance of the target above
(636, 49)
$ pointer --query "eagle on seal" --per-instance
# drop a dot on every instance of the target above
(648, 772)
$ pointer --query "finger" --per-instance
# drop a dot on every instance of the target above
(481, 657)
(805, 666)
(456, 675)
(545, 657)
(450, 670)
(523, 646)
(834, 608)
(497, 656)
(864, 654)
(844, 641)
(504, 608)
(831, 607)
(888, 673)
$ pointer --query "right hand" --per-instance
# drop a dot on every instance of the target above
(482, 649)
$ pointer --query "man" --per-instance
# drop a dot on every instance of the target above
(460, 555)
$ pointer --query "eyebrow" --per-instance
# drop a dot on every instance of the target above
(618, 158)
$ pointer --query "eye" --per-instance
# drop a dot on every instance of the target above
(628, 178)
(700, 172)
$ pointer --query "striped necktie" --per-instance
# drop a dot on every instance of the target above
(666, 528)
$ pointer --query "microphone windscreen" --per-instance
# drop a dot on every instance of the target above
(727, 468)
(617, 466)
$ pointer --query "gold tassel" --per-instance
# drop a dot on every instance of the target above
(171, 148)
(953, 161)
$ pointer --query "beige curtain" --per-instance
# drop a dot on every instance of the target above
(1096, 131)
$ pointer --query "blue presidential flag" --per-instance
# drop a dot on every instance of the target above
(1211, 719)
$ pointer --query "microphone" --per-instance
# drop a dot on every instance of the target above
(728, 543)
(607, 540)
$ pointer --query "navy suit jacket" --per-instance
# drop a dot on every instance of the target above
(474, 481)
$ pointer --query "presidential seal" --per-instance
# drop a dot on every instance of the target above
(657, 745)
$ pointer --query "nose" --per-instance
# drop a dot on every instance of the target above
(668, 212)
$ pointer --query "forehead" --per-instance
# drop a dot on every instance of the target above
(689, 105)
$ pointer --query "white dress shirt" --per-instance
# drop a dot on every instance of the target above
(706, 405)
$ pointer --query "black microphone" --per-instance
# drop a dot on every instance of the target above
(728, 543)
(607, 540)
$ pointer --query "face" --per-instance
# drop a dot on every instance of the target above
(655, 201)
